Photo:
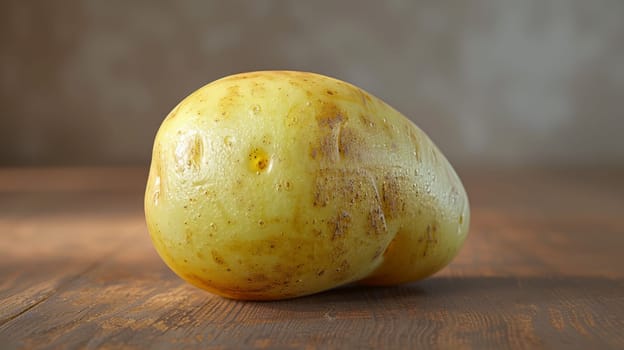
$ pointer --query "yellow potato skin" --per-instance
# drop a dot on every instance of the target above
(277, 184)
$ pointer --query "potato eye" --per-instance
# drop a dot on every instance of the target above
(259, 161)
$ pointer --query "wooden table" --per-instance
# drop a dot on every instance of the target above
(543, 267)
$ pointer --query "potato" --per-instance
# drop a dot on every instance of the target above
(278, 184)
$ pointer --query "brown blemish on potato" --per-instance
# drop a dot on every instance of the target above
(430, 238)
(334, 184)
(353, 189)
(338, 251)
(339, 226)
(314, 152)
(377, 221)
(259, 160)
(217, 257)
(321, 194)
(366, 120)
(349, 143)
(335, 141)
(189, 151)
(196, 151)
(392, 199)
(329, 144)
(330, 115)
(342, 271)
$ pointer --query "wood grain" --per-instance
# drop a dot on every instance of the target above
(542, 268)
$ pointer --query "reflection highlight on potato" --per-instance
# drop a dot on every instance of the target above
(277, 184)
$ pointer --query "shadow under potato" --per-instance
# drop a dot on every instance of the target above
(461, 293)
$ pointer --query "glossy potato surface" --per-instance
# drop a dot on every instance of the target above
(277, 184)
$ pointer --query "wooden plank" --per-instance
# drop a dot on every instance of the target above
(541, 269)
(75, 179)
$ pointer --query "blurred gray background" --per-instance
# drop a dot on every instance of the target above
(492, 82)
